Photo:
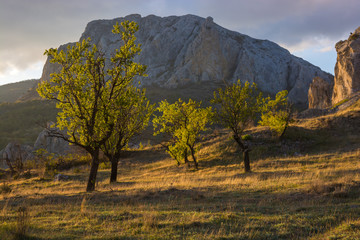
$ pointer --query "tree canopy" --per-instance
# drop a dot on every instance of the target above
(276, 113)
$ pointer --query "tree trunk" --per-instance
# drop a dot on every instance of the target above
(246, 160)
(281, 137)
(12, 170)
(193, 156)
(114, 168)
(286, 123)
(245, 149)
(186, 160)
(93, 171)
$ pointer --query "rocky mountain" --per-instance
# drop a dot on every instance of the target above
(194, 56)
(347, 68)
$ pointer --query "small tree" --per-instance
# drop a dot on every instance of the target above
(132, 117)
(88, 94)
(237, 108)
(276, 114)
(183, 122)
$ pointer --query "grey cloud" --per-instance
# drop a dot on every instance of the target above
(29, 27)
(288, 22)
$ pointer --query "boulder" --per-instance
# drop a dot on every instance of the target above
(51, 144)
(320, 92)
(61, 177)
(3, 164)
(347, 68)
(15, 154)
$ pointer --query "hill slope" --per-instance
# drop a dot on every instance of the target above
(306, 187)
(13, 91)
(21, 121)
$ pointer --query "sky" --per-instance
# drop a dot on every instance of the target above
(307, 28)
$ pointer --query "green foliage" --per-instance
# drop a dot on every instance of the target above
(339, 103)
(104, 165)
(77, 90)
(132, 117)
(183, 122)
(276, 113)
(141, 146)
(246, 137)
(88, 95)
(238, 106)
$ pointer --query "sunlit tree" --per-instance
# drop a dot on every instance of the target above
(276, 113)
(132, 117)
(237, 107)
(183, 122)
(88, 89)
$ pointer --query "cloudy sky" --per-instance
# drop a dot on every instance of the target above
(307, 28)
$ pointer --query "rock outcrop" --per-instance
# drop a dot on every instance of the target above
(320, 93)
(15, 154)
(51, 144)
(190, 52)
(347, 68)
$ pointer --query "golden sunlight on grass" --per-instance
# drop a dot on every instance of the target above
(298, 189)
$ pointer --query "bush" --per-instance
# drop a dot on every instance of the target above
(104, 165)
(339, 103)
(5, 188)
(246, 137)
(22, 223)
(353, 36)
(50, 164)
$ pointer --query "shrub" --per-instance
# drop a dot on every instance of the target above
(339, 103)
(22, 223)
(5, 188)
(104, 165)
(50, 164)
(353, 36)
(141, 146)
(246, 137)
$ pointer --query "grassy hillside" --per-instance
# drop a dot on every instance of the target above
(305, 187)
(20, 121)
(12, 91)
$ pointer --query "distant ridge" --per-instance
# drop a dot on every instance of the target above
(14, 91)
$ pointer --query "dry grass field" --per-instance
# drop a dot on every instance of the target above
(305, 187)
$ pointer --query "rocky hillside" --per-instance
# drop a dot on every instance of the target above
(346, 84)
(347, 68)
(190, 52)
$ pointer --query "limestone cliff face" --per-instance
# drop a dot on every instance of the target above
(320, 92)
(347, 68)
(186, 51)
